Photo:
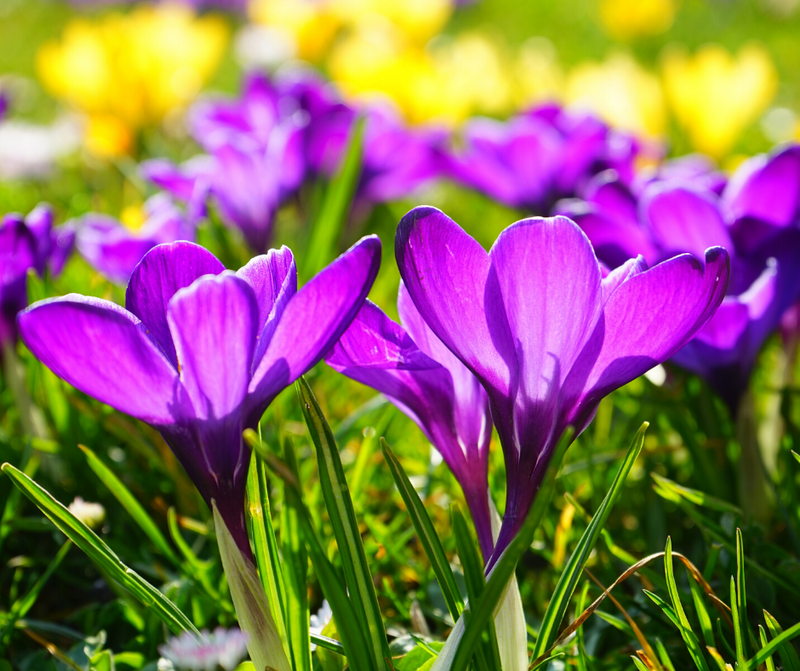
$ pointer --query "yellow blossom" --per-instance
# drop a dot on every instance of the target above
(311, 24)
(539, 77)
(621, 91)
(625, 19)
(129, 71)
(715, 95)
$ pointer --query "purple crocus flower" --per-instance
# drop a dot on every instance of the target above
(414, 369)
(255, 159)
(115, 250)
(538, 156)
(756, 217)
(199, 352)
(544, 333)
(25, 243)
(5, 103)
(396, 160)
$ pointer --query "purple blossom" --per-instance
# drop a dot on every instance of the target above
(396, 160)
(544, 333)
(538, 156)
(255, 159)
(423, 378)
(115, 250)
(756, 217)
(200, 351)
(25, 243)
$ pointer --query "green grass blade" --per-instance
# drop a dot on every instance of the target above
(574, 568)
(779, 643)
(663, 655)
(689, 637)
(482, 612)
(474, 577)
(741, 594)
(738, 633)
(265, 546)
(664, 606)
(638, 664)
(336, 205)
(796, 456)
(695, 496)
(345, 525)
(295, 568)
(21, 607)
(131, 505)
(582, 659)
(788, 655)
(718, 659)
(426, 533)
(101, 554)
(762, 636)
(344, 615)
(706, 628)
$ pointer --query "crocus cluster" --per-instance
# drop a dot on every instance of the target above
(536, 324)
(262, 146)
(538, 156)
(686, 208)
(30, 242)
(199, 352)
(114, 249)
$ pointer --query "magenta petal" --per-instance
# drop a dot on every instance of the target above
(213, 324)
(766, 189)
(447, 276)
(550, 281)
(645, 321)
(273, 277)
(684, 220)
(103, 350)
(455, 418)
(314, 319)
(163, 270)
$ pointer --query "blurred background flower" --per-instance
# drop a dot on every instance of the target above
(128, 71)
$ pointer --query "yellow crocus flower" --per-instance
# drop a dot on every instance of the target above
(129, 71)
(715, 95)
(626, 19)
(311, 24)
(620, 91)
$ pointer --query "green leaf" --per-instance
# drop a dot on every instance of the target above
(131, 505)
(426, 533)
(704, 618)
(347, 624)
(500, 575)
(638, 664)
(762, 636)
(295, 571)
(738, 633)
(695, 496)
(101, 554)
(21, 607)
(741, 599)
(474, 577)
(250, 601)
(574, 568)
(336, 206)
(265, 547)
(345, 525)
(582, 658)
(796, 456)
(780, 644)
(689, 637)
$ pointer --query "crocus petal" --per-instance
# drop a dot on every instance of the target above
(684, 220)
(103, 350)
(447, 276)
(273, 277)
(314, 319)
(550, 281)
(213, 325)
(163, 270)
(646, 320)
(765, 189)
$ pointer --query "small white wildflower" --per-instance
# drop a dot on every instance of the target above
(91, 514)
(223, 648)
(320, 620)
